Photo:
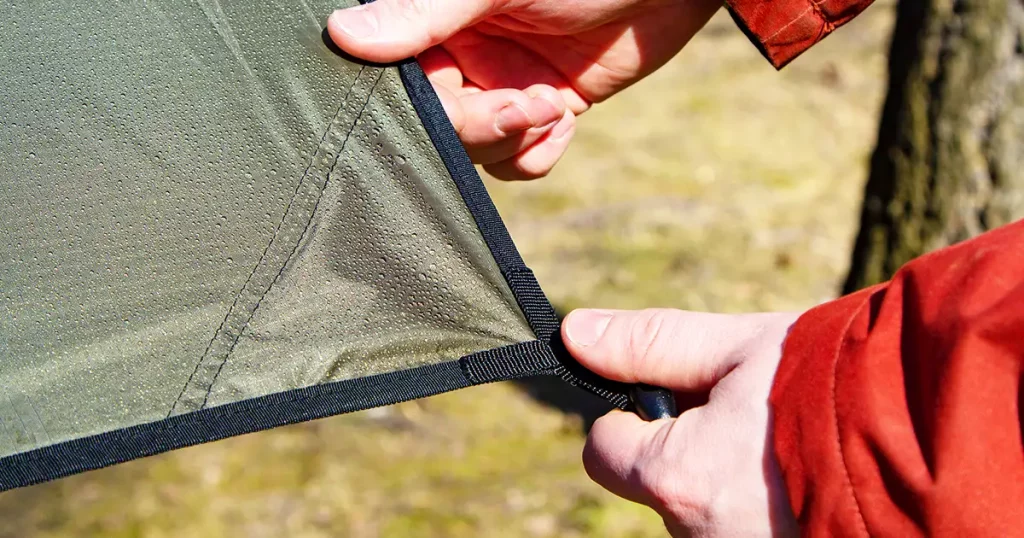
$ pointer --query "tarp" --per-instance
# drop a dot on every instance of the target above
(213, 222)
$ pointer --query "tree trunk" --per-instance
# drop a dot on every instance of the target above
(949, 163)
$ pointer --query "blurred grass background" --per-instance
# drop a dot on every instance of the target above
(716, 184)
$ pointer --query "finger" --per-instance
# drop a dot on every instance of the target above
(539, 159)
(685, 351)
(441, 69)
(598, 72)
(390, 30)
(452, 107)
(494, 62)
(447, 81)
(502, 123)
(492, 116)
(621, 451)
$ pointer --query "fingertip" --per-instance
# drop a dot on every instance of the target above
(582, 328)
(512, 119)
(546, 104)
(359, 32)
(358, 22)
(538, 160)
(582, 331)
(537, 107)
(350, 27)
(563, 132)
(574, 101)
(452, 107)
(548, 92)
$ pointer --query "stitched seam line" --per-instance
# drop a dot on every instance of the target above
(829, 26)
(835, 423)
(305, 230)
(266, 250)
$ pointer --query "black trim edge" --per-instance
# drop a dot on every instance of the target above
(532, 301)
(265, 412)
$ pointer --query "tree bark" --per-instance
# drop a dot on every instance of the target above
(949, 162)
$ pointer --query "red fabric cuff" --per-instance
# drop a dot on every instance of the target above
(806, 436)
(897, 409)
(784, 29)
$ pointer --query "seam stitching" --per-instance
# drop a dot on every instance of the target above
(305, 230)
(263, 256)
(812, 6)
(835, 423)
(266, 250)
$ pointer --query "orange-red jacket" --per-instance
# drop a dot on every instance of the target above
(782, 29)
(898, 410)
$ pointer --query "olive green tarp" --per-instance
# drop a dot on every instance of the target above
(212, 222)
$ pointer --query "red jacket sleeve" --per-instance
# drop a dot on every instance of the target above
(783, 29)
(897, 410)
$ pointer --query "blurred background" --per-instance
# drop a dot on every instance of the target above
(717, 184)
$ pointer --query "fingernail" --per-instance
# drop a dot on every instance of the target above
(512, 119)
(357, 22)
(585, 327)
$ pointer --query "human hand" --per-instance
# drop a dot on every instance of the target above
(513, 74)
(711, 472)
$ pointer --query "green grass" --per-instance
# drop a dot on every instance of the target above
(717, 184)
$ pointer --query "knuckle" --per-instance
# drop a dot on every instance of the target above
(412, 8)
(646, 332)
(546, 91)
(418, 14)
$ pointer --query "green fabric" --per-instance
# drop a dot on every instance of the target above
(202, 203)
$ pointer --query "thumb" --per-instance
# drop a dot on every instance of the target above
(684, 351)
(391, 30)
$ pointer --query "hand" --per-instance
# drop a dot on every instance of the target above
(513, 74)
(712, 471)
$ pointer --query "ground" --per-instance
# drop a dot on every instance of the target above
(717, 184)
